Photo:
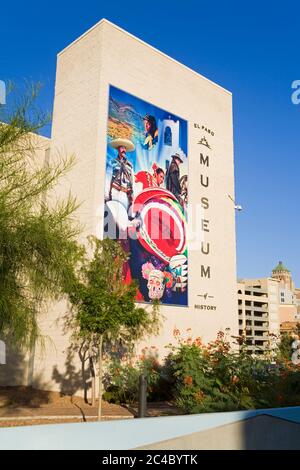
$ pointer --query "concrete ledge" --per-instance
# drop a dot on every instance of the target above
(62, 418)
(148, 432)
(259, 433)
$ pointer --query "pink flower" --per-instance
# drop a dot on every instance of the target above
(146, 268)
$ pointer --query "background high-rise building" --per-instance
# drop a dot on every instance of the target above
(267, 307)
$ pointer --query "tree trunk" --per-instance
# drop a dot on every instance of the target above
(100, 378)
(92, 369)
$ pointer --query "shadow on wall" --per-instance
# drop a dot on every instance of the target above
(14, 371)
(263, 432)
(74, 380)
(267, 432)
(77, 375)
(14, 380)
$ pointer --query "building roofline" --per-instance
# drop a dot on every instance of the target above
(105, 21)
(34, 134)
(257, 279)
(40, 136)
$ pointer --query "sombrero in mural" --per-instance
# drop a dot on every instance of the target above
(176, 155)
(119, 142)
(163, 228)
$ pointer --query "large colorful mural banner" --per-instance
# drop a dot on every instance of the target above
(146, 195)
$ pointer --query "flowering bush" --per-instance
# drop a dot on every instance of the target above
(217, 378)
(122, 378)
(205, 378)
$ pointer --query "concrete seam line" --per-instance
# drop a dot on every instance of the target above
(32, 418)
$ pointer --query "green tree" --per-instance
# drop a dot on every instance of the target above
(37, 233)
(285, 346)
(105, 308)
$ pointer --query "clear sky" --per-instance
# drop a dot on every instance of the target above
(251, 48)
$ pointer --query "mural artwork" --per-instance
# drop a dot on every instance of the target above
(146, 196)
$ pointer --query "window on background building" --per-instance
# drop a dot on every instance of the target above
(168, 136)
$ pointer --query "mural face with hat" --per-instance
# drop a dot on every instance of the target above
(146, 195)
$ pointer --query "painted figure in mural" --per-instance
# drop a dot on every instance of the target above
(159, 176)
(156, 285)
(184, 191)
(151, 132)
(145, 205)
(121, 184)
(173, 176)
(151, 181)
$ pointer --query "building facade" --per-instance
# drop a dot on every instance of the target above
(289, 298)
(109, 85)
(266, 308)
(258, 313)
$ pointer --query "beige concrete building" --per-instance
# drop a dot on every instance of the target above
(288, 296)
(266, 307)
(107, 56)
(258, 313)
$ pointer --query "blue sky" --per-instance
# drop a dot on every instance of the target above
(250, 48)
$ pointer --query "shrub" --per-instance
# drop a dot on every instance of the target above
(217, 378)
(122, 378)
(202, 378)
